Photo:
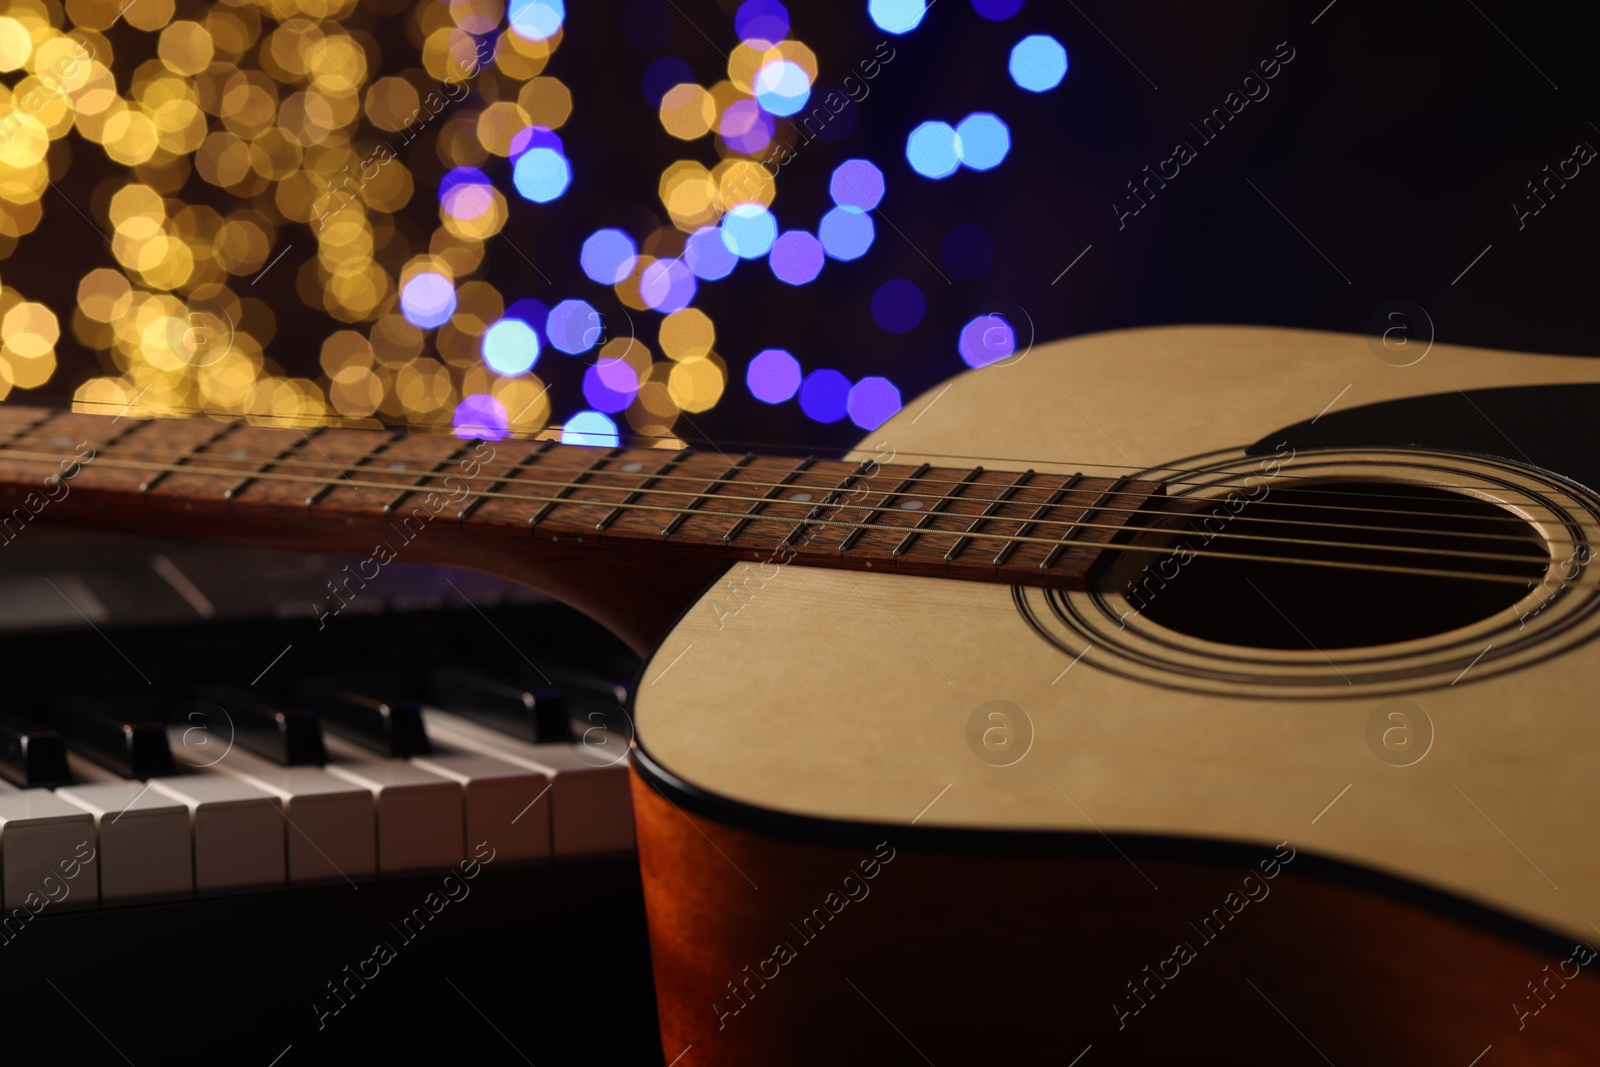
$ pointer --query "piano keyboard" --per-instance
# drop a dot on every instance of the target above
(209, 764)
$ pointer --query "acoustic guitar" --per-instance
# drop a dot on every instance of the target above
(1200, 695)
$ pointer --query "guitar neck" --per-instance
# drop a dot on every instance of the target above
(379, 494)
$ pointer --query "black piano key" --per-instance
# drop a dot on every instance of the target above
(122, 735)
(594, 697)
(391, 727)
(30, 755)
(538, 715)
(284, 733)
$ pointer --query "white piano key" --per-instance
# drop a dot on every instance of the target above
(506, 804)
(591, 806)
(48, 857)
(421, 815)
(144, 846)
(238, 832)
(331, 829)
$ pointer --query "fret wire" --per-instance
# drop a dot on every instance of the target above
(249, 480)
(198, 448)
(994, 506)
(499, 484)
(365, 458)
(1055, 553)
(827, 502)
(280, 461)
(700, 498)
(37, 423)
(760, 505)
(416, 486)
(933, 513)
(570, 487)
(855, 535)
(301, 479)
(1043, 509)
(633, 497)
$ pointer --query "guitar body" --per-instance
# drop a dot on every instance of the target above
(1186, 814)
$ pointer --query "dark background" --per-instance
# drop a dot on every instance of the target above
(1395, 142)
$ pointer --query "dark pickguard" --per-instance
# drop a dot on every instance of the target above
(1548, 426)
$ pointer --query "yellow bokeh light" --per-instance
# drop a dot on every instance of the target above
(15, 44)
(547, 101)
(185, 48)
(687, 111)
(696, 384)
(687, 334)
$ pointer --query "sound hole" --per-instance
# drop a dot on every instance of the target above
(1282, 606)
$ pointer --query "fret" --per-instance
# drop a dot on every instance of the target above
(244, 483)
(935, 511)
(827, 502)
(1040, 512)
(437, 469)
(193, 453)
(988, 513)
(705, 494)
(766, 498)
(367, 457)
(567, 490)
(872, 515)
(28, 427)
(1072, 531)
(649, 484)
(510, 479)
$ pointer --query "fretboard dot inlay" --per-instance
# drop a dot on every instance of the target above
(800, 497)
(911, 505)
(632, 468)
(397, 466)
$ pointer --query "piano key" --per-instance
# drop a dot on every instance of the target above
(122, 739)
(238, 832)
(597, 697)
(331, 828)
(394, 728)
(31, 756)
(421, 815)
(529, 713)
(283, 733)
(144, 847)
(49, 852)
(506, 804)
(591, 799)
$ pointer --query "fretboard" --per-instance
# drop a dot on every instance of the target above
(329, 489)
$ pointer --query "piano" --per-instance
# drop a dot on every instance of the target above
(237, 828)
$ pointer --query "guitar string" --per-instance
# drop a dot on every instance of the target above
(431, 432)
(276, 459)
(959, 535)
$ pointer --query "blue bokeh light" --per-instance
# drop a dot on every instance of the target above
(898, 306)
(872, 401)
(934, 150)
(1038, 63)
(773, 377)
(968, 251)
(608, 256)
(574, 327)
(897, 16)
(782, 87)
(749, 230)
(510, 347)
(536, 20)
(825, 395)
(987, 339)
(428, 300)
(708, 256)
(846, 233)
(610, 385)
(984, 139)
(667, 285)
(541, 175)
(762, 20)
(796, 257)
(662, 75)
(481, 416)
(856, 183)
(997, 10)
(590, 428)
(465, 193)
